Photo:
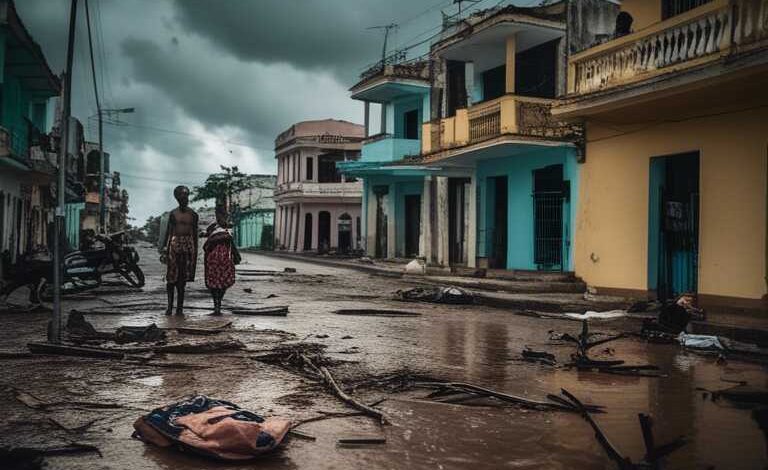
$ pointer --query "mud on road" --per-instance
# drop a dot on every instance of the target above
(452, 343)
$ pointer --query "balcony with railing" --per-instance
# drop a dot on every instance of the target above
(388, 148)
(702, 35)
(522, 117)
(313, 189)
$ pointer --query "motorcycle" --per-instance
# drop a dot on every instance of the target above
(83, 269)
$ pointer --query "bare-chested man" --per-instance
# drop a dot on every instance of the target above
(180, 249)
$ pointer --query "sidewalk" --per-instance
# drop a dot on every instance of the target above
(542, 294)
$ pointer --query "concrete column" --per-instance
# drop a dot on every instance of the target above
(278, 226)
(472, 223)
(511, 51)
(302, 221)
(367, 117)
(370, 223)
(443, 257)
(334, 228)
(288, 227)
(391, 218)
(425, 232)
(288, 221)
(296, 231)
(315, 173)
(315, 230)
(469, 82)
(383, 126)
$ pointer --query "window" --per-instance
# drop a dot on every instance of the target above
(672, 8)
(327, 172)
(411, 124)
(310, 173)
(494, 82)
(535, 70)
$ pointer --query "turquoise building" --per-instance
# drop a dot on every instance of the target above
(470, 169)
(27, 156)
(392, 184)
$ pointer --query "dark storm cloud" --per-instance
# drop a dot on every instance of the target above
(315, 34)
(228, 74)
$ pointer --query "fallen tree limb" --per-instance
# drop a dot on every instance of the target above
(610, 449)
(460, 386)
(331, 382)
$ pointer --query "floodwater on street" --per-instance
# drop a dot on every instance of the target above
(451, 343)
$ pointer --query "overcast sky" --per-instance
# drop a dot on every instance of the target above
(225, 76)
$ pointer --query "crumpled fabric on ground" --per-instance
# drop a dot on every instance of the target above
(440, 295)
(591, 315)
(214, 428)
(699, 341)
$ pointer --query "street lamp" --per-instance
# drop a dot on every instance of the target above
(111, 113)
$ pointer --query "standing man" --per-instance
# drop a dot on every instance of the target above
(180, 249)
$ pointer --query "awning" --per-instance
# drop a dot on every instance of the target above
(357, 168)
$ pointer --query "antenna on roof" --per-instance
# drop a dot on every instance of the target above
(387, 28)
(459, 2)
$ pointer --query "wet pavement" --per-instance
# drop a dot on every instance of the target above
(456, 343)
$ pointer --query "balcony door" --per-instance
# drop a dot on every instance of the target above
(412, 225)
(673, 225)
(457, 87)
(670, 8)
(548, 197)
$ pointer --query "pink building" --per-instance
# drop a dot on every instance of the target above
(317, 208)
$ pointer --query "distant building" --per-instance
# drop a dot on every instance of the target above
(115, 198)
(254, 213)
(318, 209)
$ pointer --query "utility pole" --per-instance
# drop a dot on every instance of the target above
(102, 166)
(54, 334)
(387, 28)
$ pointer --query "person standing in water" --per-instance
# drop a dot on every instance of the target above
(221, 256)
(180, 252)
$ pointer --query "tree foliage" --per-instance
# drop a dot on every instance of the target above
(222, 186)
(151, 229)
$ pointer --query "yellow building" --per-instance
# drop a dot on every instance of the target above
(672, 194)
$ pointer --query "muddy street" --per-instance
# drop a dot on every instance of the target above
(95, 401)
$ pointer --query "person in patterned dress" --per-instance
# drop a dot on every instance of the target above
(180, 249)
(221, 256)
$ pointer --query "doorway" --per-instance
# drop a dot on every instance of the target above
(458, 219)
(307, 231)
(498, 235)
(548, 195)
(323, 231)
(382, 216)
(344, 226)
(412, 225)
(673, 225)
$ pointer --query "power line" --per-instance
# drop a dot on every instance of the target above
(186, 134)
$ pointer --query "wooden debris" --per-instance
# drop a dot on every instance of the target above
(301, 435)
(15, 355)
(66, 350)
(653, 453)
(277, 311)
(377, 312)
(362, 440)
(325, 416)
(331, 382)
(212, 330)
(459, 387)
